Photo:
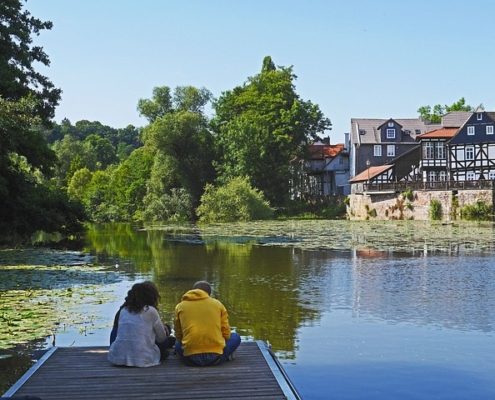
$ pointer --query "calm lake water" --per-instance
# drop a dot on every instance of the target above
(354, 310)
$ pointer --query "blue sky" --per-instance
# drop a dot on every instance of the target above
(375, 58)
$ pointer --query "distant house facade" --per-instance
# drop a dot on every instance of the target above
(429, 158)
(325, 171)
(376, 142)
(472, 149)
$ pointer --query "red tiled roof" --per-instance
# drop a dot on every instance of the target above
(446, 133)
(370, 173)
(317, 151)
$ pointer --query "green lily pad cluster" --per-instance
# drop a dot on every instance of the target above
(37, 301)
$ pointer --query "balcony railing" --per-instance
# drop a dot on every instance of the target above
(442, 185)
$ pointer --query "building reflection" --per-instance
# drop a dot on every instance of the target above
(273, 291)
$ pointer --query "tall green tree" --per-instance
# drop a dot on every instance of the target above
(28, 202)
(261, 126)
(183, 145)
(18, 57)
(434, 114)
(27, 103)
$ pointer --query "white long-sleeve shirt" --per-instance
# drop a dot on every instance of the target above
(136, 336)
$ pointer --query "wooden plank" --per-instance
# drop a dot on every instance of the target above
(81, 373)
(29, 373)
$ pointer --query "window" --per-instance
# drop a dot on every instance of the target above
(442, 176)
(362, 132)
(470, 130)
(428, 151)
(390, 150)
(491, 175)
(489, 129)
(469, 153)
(417, 131)
(432, 176)
(390, 133)
(390, 124)
(470, 176)
(407, 132)
(479, 116)
(377, 150)
(440, 150)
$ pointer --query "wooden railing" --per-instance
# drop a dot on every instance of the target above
(444, 185)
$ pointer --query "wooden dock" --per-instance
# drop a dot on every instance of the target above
(84, 373)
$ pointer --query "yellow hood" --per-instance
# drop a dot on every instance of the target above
(195, 294)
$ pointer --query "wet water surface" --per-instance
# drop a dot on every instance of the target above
(354, 310)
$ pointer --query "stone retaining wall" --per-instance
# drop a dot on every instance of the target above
(390, 206)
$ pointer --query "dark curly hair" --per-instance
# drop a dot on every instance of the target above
(141, 295)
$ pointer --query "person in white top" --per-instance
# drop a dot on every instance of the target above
(139, 338)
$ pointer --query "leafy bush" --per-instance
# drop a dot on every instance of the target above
(174, 206)
(236, 201)
(477, 212)
(408, 194)
(435, 210)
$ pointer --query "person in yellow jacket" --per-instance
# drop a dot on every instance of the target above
(202, 328)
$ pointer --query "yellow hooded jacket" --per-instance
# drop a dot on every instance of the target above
(201, 323)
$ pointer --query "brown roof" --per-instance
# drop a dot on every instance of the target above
(446, 133)
(318, 151)
(370, 173)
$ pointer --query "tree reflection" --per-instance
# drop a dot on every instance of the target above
(260, 286)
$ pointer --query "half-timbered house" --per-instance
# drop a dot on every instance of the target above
(434, 154)
(377, 142)
(472, 149)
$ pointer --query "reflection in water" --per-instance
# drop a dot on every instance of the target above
(351, 290)
(271, 291)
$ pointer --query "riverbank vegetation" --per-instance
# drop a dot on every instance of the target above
(54, 176)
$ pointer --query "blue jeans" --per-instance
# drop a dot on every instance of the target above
(206, 359)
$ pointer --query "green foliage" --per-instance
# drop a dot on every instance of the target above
(480, 211)
(184, 151)
(28, 202)
(90, 145)
(455, 206)
(261, 127)
(434, 115)
(128, 184)
(18, 56)
(236, 201)
(435, 210)
(318, 208)
(174, 206)
(408, 194)
(79, 184)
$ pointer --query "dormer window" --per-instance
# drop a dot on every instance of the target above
(390, 124)
(470, 130)
(362, 132)
(417, 131)
(479, 116)
(390, 133)
(407, 132)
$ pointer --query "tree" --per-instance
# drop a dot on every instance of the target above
(29, 203)
(261, 126)
(183, 148)
(434, 115)
(18, 56)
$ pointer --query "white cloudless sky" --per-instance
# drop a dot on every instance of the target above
(363, 59)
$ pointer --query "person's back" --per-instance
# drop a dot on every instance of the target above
(135, 344)
(202, 327)
(139, 338)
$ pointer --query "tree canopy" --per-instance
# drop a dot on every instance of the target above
(434, 114)
(18, 56)
(261, 127)
(183, 145)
